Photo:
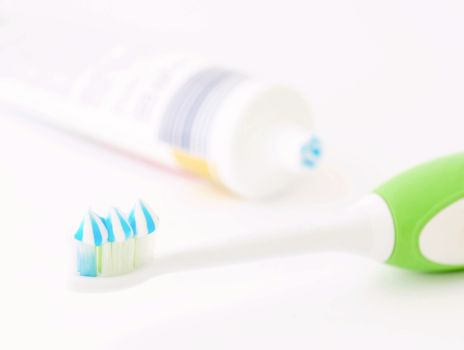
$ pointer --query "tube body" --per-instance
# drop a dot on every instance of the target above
(251, 136)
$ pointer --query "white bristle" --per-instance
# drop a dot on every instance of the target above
(123, 261)
(106, 262)
(144, 249)
(117, 258)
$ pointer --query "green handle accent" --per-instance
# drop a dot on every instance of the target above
(414, 198)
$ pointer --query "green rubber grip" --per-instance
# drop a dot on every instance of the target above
(414, 198)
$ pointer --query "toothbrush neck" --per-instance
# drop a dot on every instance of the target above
(366, 229)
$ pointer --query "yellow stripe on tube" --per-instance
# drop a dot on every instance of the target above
(195, 165)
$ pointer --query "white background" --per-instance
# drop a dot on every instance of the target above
(386, 82)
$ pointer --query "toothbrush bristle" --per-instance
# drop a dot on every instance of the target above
(112, 247)
(144, 222)
(86, 259)
(118, 258)
(144, 250)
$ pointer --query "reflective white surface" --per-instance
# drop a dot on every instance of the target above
(385, 80)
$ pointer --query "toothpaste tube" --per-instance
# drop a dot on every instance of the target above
(252, 136)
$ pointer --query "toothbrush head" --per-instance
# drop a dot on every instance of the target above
(109, 246)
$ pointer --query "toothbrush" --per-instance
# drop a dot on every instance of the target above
(414, 221)
(116, 244)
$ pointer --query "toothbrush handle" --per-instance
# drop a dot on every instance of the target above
(416, 198)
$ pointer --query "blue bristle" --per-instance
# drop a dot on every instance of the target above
(86, 260)
(80, 231)
(125, 225)
(109, 226)
(148, 218)
(132, 222)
